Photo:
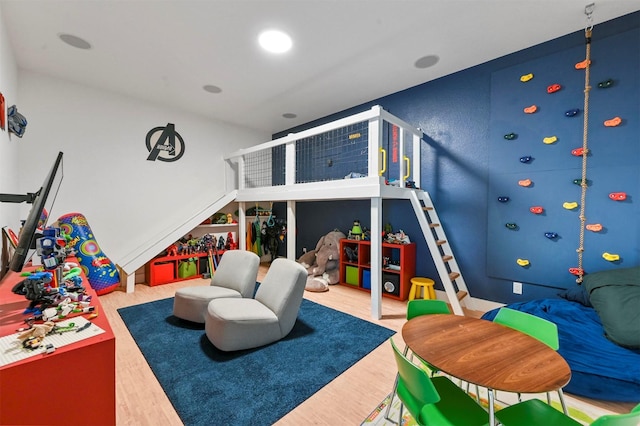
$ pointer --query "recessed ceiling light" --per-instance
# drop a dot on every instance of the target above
(275, 41)
(289, 115)
(427, 61)
(74, 41)
(212, 89)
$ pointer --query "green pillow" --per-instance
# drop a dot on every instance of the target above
(615, 295)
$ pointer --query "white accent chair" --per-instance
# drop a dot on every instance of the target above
(237, 324)
(235, 277)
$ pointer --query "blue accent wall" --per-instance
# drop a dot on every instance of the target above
(455, 113)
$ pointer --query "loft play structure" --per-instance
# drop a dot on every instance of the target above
(346, 159)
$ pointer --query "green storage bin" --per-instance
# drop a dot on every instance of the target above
(187, 268)
(352, 275)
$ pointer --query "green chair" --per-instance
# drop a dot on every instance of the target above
(536, 327)
(535, 412)
(416, 308)
(434, 400)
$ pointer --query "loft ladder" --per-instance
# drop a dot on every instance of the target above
(440, 249)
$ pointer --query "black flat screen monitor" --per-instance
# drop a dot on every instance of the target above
(42, 199)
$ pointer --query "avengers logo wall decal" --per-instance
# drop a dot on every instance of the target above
(164, 144)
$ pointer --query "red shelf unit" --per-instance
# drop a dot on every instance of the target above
(164, 270)
(396, 278)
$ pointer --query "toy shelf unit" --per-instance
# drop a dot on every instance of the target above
(398, 267)
(168, 269)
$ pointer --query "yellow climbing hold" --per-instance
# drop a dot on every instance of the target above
(526, 77)
(610, 257)
(550, 140)
(570, 205)
(522, 262)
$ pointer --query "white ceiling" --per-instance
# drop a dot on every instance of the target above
(345, 52)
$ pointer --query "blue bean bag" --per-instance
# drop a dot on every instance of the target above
(600, 369)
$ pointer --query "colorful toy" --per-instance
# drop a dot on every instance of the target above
(322, 263)
(102, 274)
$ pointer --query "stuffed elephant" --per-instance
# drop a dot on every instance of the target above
(323, 263)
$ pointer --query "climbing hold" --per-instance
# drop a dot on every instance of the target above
(551, 235)
(553, 88)
(610, 256)
(579, 151)
(578, 181)
(503, 199)
(582, 65)
(524, 182)
(605, 84)
(530, 109)
(618, 196)
(615, 121)
(550, 139)
(511, 225)
(594, 227)
(522, 262)
(576, 271)
(526, 159)
(572, 112)
(570, 205)
(510, 136)
(526, 77)
(536, 209)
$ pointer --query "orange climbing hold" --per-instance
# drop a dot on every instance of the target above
(531, 109)
(615, 121)
(524, 182)
(594, 227)
(582, 65)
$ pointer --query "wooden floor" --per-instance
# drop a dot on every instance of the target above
(347, 400)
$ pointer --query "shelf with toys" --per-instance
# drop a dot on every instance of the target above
(398, 260)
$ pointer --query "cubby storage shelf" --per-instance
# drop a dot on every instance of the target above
(164, 270)
(399, 266)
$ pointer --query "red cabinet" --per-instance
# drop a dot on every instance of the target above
(399, 266)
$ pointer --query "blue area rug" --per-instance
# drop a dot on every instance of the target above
(258, 386)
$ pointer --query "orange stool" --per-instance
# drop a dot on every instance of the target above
(422, 288)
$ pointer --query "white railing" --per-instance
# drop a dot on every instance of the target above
(369, 144)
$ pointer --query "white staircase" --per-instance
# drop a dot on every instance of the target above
(441, 252)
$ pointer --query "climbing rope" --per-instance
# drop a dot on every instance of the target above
(585, 137)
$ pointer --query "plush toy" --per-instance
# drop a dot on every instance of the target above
(323, 263)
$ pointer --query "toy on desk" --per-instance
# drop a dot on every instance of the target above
(51, 248)
(37, 290)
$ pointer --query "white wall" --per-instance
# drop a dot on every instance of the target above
(127, 200)
(9, 213)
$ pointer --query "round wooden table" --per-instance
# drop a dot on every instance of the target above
(486, 354)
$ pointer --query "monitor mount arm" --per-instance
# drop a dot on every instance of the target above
(29, 197)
